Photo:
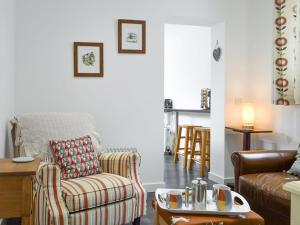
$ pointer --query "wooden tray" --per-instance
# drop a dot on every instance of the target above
(211, 208)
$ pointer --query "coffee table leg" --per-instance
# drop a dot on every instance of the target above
(25, 220)
(155, 220)
(158, 220)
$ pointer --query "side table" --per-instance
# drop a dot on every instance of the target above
(163, 217)
(16, 195)
(247, 135)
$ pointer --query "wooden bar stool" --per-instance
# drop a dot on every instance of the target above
(187, 144)
(202, 137)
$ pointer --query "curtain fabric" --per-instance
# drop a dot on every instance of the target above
(286, 84)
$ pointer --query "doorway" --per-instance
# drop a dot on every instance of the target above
(189, 66)
(187, 71)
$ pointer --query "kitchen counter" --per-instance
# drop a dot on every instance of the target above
(188, 110)
(177, 111)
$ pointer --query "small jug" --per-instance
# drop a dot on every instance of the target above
(222, 196)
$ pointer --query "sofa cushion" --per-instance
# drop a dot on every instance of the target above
(295, 169)
(96, 190)
(76, 157)
(263, 189)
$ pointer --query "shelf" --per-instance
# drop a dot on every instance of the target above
(188, 110)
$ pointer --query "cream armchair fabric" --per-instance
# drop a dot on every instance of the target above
(33, 131)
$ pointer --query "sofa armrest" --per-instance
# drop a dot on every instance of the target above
(261, 161)
(49, 202)
(125, 164)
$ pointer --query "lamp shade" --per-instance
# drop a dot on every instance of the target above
(248, 115)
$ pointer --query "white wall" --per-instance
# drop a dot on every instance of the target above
(218, 155)
(236, 78)
(285, 121)
(130, 96)
(128, 100)
(7, 68)
(187, 69)
(187, 58)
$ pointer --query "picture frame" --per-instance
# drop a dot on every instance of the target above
(132, 36)
(88, 59)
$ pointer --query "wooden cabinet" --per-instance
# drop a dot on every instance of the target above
(16, 192)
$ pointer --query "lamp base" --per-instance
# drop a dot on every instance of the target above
(248, 127)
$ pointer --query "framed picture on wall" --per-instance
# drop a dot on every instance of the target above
(88, 59)
(132, 36)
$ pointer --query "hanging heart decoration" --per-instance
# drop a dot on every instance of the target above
(217, 53)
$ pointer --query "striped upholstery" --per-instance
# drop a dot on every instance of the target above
(50, 207)
(57, 203)
(112, 214)
(126, 164)
(96, 190)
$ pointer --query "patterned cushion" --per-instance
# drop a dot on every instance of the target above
(76, 157)
(97, 190)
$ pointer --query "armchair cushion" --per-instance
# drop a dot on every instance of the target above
(94, 191)
(76, 157)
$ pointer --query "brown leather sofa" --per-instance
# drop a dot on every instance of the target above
(259, 177)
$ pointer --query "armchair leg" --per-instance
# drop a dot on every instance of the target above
(137, 221)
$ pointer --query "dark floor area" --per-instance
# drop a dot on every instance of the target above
(174, 176)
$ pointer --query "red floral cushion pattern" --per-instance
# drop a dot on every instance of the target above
(76, 158)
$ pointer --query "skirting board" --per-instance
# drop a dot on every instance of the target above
(218, 179)
(151, 187)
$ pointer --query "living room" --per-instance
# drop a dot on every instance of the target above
(37, 75)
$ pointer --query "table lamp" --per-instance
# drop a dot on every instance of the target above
(248, 116)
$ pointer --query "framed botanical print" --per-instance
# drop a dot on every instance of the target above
(132, 36)
(88, 59)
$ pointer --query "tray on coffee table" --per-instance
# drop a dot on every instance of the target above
(211, 208)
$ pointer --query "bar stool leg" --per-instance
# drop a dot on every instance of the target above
(177, 146)
(208, 150)
(203, 153)
(186, 146)
(193, 145)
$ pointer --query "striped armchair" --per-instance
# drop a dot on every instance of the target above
(114, 197)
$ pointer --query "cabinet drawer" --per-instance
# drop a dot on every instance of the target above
(15, 196)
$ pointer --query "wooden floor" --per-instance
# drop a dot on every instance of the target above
(174, 177)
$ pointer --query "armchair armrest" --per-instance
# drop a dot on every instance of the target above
(50, 207)
(45, 172)
(261, 161)
(125, 164)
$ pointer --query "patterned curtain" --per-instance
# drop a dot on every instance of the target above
(286, 53)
